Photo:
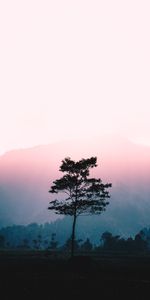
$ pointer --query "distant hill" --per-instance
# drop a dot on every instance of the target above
(26, 175)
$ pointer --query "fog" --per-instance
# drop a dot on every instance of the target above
(26, 176)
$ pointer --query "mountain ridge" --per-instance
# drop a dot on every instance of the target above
(26, 176)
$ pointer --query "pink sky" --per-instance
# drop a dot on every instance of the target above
(73, 69)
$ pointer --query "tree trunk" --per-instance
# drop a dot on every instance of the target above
(73, 236)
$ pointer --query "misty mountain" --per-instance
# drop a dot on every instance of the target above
(27, 174)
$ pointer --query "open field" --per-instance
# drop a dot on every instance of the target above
(32, 275)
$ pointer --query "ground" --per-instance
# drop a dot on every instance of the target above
(31, 275)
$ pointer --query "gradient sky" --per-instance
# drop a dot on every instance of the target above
(73, 69)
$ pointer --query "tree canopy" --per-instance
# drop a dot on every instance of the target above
(84, 195)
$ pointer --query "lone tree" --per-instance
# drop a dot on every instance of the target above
(85, 195)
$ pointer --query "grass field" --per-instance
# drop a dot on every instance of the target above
(32, 275)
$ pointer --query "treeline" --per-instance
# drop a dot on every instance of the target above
(42, 237)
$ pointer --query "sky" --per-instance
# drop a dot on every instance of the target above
(73, 69)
